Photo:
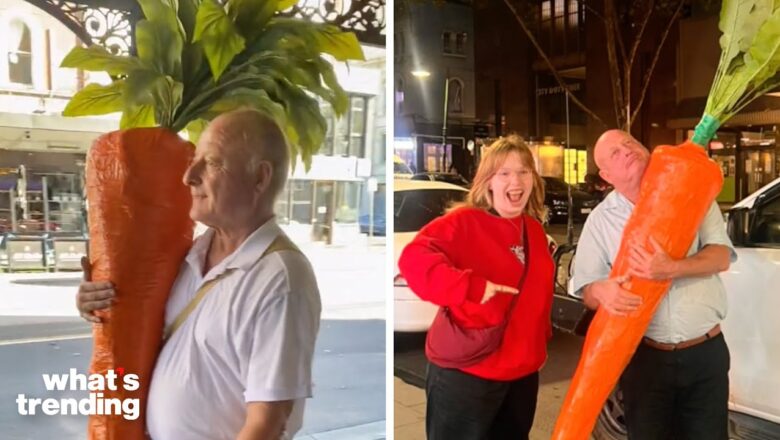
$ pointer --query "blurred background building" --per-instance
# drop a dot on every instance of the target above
(499, 83)
(42, 154)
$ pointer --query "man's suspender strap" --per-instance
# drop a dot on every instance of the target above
(280, 243)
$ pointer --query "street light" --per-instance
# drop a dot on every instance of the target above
(423, 74)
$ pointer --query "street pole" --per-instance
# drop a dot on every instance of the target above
(444, 125)
(370, 217)
(570, 222)
(372, 185)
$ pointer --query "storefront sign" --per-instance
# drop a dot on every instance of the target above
(68, 253)
(556, 90)
(25, 254)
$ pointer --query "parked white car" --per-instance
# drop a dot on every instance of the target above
(752, 327)
(415, 203)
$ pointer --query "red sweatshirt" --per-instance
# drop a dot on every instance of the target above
(449, 262)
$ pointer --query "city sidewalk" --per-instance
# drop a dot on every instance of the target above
(369, 431)
(351, 281)
(409, 414)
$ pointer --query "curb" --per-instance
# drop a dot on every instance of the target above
(368, 431)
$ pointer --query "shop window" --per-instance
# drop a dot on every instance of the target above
(19, 55)
(357, 125)
(347, 200)
(282, 205)
(328, 144)
(455, 98)
(560, 30)
(348, 138)
(65, 206)
(301, 198)
(341, 136)
(454, 43)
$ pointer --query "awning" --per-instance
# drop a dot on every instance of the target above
(51, 133)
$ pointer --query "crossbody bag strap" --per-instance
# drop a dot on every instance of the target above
(280, 243)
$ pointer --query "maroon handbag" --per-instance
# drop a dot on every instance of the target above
(448, 345)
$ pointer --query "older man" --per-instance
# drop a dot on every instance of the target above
(243, 314)
(676, 385)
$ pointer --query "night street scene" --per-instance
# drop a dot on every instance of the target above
(560, 73)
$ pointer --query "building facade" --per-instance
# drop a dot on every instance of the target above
(42, 154)
(434, 58)
(516, 91)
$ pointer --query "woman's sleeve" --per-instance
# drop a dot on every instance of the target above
(427, 266)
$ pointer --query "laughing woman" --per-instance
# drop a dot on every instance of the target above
(487, 266)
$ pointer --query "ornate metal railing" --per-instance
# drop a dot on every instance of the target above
(109, 23)
(364, 17)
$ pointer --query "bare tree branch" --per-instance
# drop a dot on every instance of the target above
(628, 66)
(657, 55)
(614, 66)
(550, 65)
(638, 38)
(611, 12)
(595, 13)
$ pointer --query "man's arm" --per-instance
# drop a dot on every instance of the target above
(609, 294)
(590, 280)
(265, 420)
(658, 265)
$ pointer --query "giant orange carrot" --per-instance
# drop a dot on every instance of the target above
(140, 231)
(612, 340)
(680, 183)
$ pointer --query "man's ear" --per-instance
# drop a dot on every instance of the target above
(604, 175)
(264, 173)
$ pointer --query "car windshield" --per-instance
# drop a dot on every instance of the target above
(414, 209)
(553, 184)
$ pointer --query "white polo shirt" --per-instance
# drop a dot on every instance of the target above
(250, 339)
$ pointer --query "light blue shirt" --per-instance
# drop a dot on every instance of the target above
(691, 307)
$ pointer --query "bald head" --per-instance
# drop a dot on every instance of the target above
(240, 165)
(259, 139)
(621, 160)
